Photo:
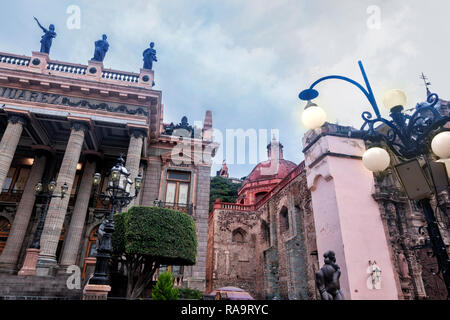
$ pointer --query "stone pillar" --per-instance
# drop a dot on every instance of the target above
(134, 157)
(58, 207)
(8, 259)
(75, 232)
(347, 219)
(9, 143)
(96, 292)
(196, 276)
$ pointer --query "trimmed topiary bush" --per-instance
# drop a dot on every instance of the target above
(147, 237)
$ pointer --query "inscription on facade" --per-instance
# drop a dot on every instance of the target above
(62, 100)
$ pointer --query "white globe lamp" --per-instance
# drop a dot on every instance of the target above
(394, 98)
(313, 117)
(376, 159)
(441, 145)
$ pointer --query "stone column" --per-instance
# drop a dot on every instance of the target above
(8, 259)
(72, 241)
(134, 157)
(58, 207)
(9, 143)
(196, 276)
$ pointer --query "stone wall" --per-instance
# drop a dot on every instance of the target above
(274, 260)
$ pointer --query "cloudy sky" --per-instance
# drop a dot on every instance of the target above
(246, 61)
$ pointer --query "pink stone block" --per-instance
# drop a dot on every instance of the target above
(29, 266)
(96, 292)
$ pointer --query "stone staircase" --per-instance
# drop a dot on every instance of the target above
(13, 287)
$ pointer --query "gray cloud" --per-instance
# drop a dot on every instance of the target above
(247, 61)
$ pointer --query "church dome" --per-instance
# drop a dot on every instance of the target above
(274, 168)
(271, 169)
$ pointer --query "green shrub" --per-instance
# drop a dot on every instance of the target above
(187, 293)
(164, 290)
(166, 235)
(146, 238)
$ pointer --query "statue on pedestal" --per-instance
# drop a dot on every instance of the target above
(46, 40)
(149, 56)
(327, 278)
(101, 47)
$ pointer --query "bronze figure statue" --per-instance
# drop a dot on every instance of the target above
(101, 47)
(327, 278)
(149, 56)
(46, 40)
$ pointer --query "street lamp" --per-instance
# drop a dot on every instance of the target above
(47, 195)
(409, 137)
(116, 196)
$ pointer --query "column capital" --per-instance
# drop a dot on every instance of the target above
(18, 118)
(138, 132)
(78, 125)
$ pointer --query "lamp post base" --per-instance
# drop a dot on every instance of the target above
(29, 266)
(96, 292)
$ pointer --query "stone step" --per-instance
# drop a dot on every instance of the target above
(13, 287)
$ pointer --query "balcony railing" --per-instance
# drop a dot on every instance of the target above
(186, 208)
(16, 60)
(11, 196)
(77, 71)
(120, 76)
(60, 67)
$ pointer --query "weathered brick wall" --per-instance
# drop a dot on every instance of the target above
(195, 277)
(232, 263)
(150, 190)
(295, 248)
(274, 261)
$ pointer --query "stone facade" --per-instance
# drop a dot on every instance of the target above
(63, 122)
(268, 248)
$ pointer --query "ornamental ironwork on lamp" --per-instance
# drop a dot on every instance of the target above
(409, 137)
(116, 196)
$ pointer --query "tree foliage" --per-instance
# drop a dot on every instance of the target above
(147, 237)
(164, 290)
(187, 293)
(223, 189)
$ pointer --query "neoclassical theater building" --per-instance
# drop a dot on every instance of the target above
(271, 242)
(63, 121)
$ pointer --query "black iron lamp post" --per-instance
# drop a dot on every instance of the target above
(411, 137)
(117, 196)
(47, 195)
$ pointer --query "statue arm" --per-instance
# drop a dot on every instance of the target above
(320, 283)
(43, 29)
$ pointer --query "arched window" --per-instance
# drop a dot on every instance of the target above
(239, 235)
(5, 226)
(284, 219)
